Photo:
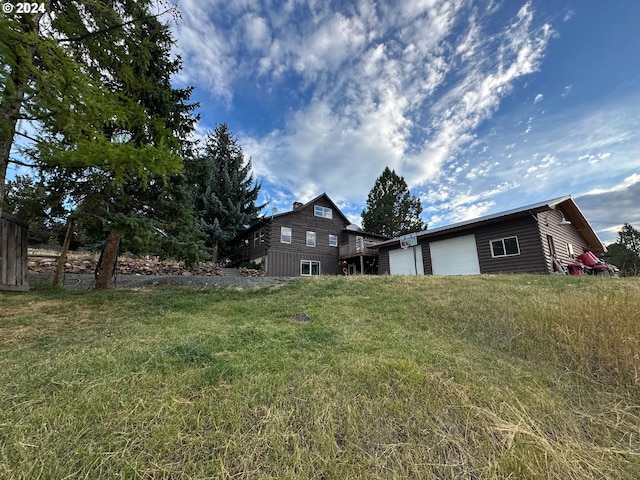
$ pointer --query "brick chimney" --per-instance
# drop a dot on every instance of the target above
(297, 205)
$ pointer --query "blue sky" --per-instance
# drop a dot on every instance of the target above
(482, 106)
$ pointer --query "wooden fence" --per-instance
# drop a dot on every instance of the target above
(13, 253)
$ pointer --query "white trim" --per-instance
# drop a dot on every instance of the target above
(504, 247)
(282, 235)
(310, 264)
(310, 236)
(322, 212)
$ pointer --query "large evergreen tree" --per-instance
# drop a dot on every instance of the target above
(224, 191)
(629, 237)
(57, 71)
(391, 209)
(28, 199)
(93, 77)
(625, 252)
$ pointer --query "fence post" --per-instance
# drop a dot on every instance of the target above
(63, 253)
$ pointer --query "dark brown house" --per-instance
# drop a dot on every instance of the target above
(538, 238)
(314, 238)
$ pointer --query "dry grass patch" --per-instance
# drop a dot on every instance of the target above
(478, 377)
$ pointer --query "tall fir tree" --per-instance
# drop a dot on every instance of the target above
(391, 209)
(629, 237)
(62, 72)
(94, 79)
(625, 252)
(224, 191)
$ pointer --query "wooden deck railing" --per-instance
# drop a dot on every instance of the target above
(353, 248)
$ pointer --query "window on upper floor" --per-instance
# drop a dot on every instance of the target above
(323, 212)
(333, 240)
(311, 239)
(505, 247)
(258, 237)
(285, 234)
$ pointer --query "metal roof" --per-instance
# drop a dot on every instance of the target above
(566, 203)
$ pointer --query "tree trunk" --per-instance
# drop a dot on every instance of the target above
(108, 261)
(13, 98)
(214, 256)
(9, 113)
(63, 254)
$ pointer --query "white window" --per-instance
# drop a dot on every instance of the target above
(309, 267)
(333, 240)
(570, 249)
(505, 247)
(311, 239)
(285, 234)
(323, 212)
(256, 238)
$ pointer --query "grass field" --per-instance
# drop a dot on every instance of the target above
(393, 377)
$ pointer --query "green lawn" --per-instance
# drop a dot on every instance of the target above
(393, 377)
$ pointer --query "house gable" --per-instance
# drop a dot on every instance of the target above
(316, 220)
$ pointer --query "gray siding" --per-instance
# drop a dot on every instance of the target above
(287, 264)
(531, 258)
(562, 235)
(257, 250)
(284, 259)
(383, 261)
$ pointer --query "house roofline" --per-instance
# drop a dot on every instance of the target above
(266, 219)
(566, 203)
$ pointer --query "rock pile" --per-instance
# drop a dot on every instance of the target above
(251, 272)
(79, 263)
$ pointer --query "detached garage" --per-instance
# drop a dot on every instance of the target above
(537, 238)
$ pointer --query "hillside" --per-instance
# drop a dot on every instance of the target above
(390, 377)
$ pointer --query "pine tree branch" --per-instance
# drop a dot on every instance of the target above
(22, 164)
(112, 28)
(28, 137)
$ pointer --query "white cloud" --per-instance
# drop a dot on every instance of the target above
(538, 98)
(629, 181)
(257, 32)
(595, 158)
(447, 205)
(478, 94)
(335, 41)
(608, 208)
(371, 70)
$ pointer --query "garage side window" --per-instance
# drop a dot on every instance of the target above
(505, 247)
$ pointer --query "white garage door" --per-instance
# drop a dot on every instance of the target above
(406, 261)
(455, 256)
